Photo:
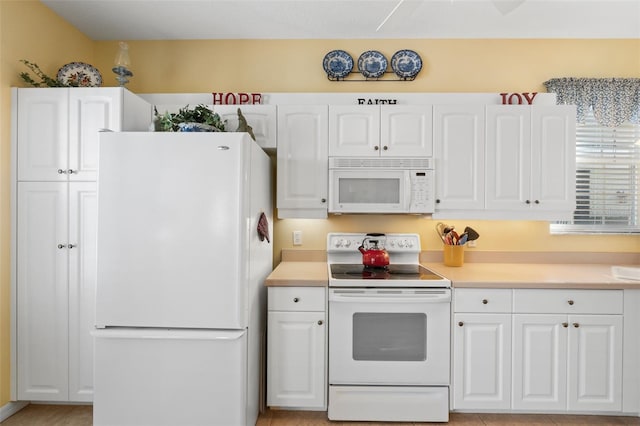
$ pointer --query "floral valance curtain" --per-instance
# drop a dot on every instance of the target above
(614, 100)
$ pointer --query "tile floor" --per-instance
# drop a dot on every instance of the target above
(81, 415)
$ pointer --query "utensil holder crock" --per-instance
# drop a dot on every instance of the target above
(453, 255)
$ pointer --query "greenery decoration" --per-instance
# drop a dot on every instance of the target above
(170, 122)
(45, 80)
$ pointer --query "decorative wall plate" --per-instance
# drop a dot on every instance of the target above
(337, 64)
(79, 74)
(406, 63)
(372, 64)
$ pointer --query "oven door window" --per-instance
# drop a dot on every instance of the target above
(379, 336)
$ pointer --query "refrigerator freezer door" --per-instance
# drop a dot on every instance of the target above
(170, 377)
(172, 230)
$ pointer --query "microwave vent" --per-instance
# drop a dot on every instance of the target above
(417, 163)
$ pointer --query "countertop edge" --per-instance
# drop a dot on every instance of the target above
(484, 275)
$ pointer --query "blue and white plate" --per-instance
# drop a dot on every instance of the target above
(372, 64)
(406, 63)
(337, 64)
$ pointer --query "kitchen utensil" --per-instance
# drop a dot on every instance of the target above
(373, 253)
(471, 233)
(440, 231)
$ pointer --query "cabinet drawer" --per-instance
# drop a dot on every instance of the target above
(568, 301)
(482, 300)
(297, 298)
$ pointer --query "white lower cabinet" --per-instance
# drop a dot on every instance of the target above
(56, 271)
(567, 350)
(296, 348)
(569, 362)
(539, 362)
(482, 349)
(550, 351)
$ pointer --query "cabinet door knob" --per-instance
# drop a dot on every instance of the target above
(323, 200)
(376, 148)
(537, 201)
(61, 172)
(565, 324)
(296, 300)
(460, 324)
(320, 322)
(61, 246)
(71, 171)
(576, 325)
(385, 148)
(570, 302)
(71, 245)
(438, 201)
(485, 301)
(528, 201)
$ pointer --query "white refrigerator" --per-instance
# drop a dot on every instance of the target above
(184, 221)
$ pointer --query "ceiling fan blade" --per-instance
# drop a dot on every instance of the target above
(384, 21)
(507, 6)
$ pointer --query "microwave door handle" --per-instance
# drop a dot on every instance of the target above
(407, 191)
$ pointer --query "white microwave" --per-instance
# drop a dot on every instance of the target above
(381, 185)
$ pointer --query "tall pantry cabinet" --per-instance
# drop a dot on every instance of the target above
(54, 222)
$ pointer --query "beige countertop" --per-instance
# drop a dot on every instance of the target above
(532, 275)
(480, 275)
(309, 274)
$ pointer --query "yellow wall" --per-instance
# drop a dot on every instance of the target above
(30, 31)
(449, 66)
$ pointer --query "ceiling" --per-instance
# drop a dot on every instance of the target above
(350, 19)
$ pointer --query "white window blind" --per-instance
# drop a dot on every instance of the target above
(607, 179)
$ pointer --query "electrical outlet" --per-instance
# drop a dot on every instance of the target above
(297, 238)
(471, 243)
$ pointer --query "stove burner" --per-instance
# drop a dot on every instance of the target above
(391, 272)
(375, 268)
(373, 273)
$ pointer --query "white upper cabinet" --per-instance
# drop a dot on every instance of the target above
(57, 129)
(354, 130)
(387, 130)
(42, 133)
(531, 159)
(303, 164)
(261, 118)
(459, 150)
(553, 157)
(508, 144)
(505, 161)
(406, 130)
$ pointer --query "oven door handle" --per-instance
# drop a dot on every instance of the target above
(357, 297)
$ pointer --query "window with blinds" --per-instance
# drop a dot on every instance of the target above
(607, 180)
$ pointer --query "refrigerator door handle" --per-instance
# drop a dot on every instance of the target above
(167, 334)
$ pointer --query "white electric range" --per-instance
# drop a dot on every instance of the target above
(389, 333)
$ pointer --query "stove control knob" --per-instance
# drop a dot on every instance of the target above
(346, 243)
(400, 243)
(392, 243)
(408, 243)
